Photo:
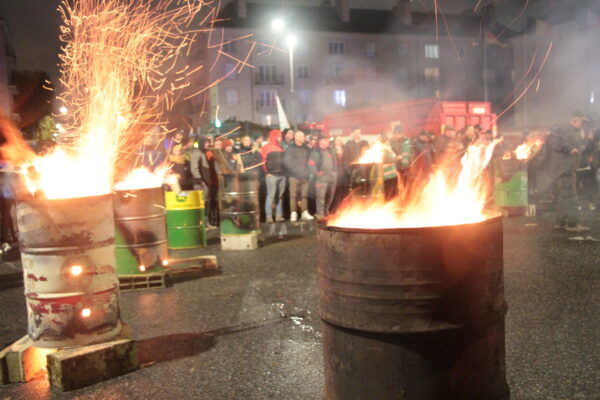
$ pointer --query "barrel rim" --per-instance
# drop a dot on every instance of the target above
(322, 225)
(33, 201)
(125, 191)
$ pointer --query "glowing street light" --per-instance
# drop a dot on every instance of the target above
(277, 24)
(63, 110)
(291, 41)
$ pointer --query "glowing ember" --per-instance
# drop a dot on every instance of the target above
(440, 200)
(142, 268)
(76, 270)
(120, 71)
(86, 312)
(143, 178)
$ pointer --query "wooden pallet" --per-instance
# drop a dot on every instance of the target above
(140, 282)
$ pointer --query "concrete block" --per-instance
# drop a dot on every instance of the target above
(74, 368)
(248, 241)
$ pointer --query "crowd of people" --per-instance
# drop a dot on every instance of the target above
(304, 176)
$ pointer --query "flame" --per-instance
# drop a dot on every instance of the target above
(119, 72)
(143, 178)
(528, 149)
(443, 199)
(374, 154)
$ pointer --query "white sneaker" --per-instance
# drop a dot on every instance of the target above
(306, 216)
(294, 216)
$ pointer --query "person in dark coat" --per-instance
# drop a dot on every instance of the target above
(295, 160)
(563, 150)
(354, 148)
(205, 178)
(322, 165)
(423, 160)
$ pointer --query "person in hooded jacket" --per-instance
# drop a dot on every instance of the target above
(272, 155)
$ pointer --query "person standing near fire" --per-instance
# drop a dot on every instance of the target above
(402, 147)
(322, 165)
(562, 160)
(272, 155)
(295, 160)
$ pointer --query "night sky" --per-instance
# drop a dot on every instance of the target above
(34, 28)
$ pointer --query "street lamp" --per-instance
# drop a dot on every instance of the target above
(277, 24)
(291, 41)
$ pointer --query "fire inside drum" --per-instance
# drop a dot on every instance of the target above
(141, 230)
(71, 285)
(415, 313)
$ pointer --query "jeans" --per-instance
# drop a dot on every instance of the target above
(298, 186)
(325, 193)
(275, 189)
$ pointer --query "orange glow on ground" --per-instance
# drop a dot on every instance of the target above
(443, 199)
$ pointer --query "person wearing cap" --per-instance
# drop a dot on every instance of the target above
(322, 165)
(272, 155)
(563, 153)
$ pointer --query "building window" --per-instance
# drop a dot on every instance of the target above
(302, 72)
(432, 74)
(336, 47)
(231, 97)
(229, 46)
(267, 98)
(267, 73)
(432, 51)
(336, 71)
(402, 50)
(305, 96)
(230, 72)
(371, 49)
(339, 97)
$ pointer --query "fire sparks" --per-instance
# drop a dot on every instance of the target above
(120, 71)
(440, 200)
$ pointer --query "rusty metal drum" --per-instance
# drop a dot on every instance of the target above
(68, 256)
(141, 232)
(413, 313)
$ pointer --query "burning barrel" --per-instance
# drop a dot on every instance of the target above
(366, 180)
(239, 210)
(413, 313)
(141, 236)
(71, 285)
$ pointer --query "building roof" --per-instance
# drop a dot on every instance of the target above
(325, 18)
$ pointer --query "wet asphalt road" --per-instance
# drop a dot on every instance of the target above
(251, 331)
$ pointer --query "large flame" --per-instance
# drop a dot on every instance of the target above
(120, 71)
(528, 149)
(442, 199)
(374, 154)
(143, 178)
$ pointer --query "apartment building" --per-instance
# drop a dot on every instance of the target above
(347, 58)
